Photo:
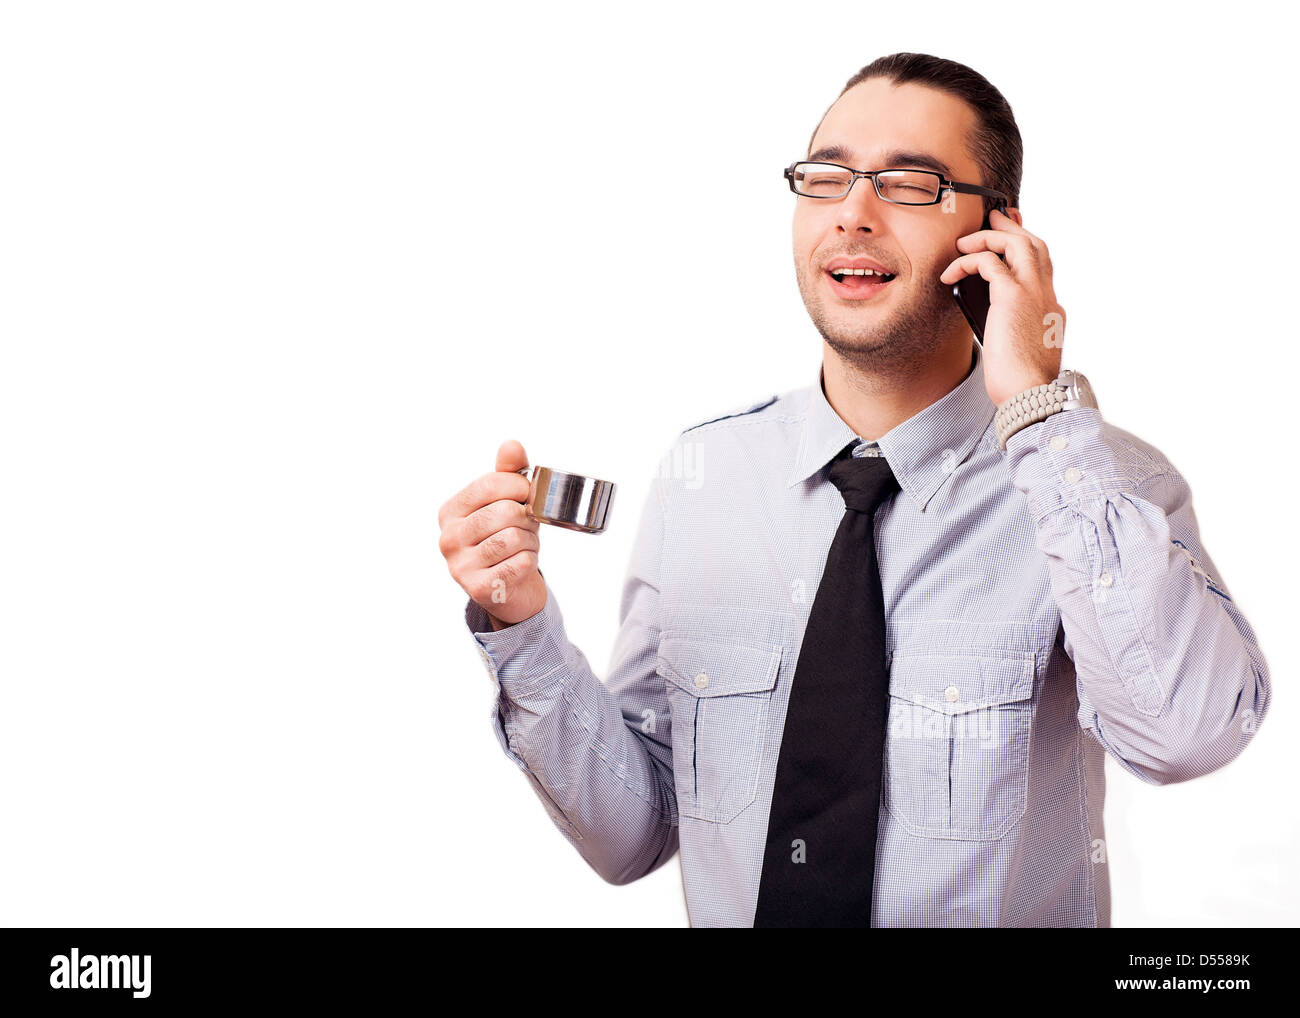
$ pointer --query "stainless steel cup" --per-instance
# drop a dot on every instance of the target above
(571, 501)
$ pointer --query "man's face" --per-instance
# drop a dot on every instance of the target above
(896, 328)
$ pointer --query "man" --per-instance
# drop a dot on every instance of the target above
(875, 645)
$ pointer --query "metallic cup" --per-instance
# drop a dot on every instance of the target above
(571, 501)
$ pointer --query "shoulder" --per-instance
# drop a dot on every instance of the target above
(758, 410)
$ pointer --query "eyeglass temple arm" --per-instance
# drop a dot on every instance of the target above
(975, 189)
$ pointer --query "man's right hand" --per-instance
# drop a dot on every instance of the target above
(491, 544)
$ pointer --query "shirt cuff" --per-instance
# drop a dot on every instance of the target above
(525, 656)
(1064, 459)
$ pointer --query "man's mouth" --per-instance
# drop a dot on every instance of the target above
(858, 284)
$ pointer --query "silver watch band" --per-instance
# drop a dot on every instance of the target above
(1068, 390)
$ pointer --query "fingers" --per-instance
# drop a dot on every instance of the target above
(511, 590)
(504, 483)
(504, 544)
(511, 456)
(493, 517)
(1010, 226)
(981, 263)
(1017, 246)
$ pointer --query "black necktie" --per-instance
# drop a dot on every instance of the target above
(820, 858)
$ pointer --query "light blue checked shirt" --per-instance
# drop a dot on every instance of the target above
(1043, 606)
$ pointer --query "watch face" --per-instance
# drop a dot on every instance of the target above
(1080, 390)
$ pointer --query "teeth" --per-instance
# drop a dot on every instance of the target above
(857, 272)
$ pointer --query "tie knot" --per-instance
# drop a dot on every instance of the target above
(864, 481)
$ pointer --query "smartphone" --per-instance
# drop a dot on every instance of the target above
(972, 296)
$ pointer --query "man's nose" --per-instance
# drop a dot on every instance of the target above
(861, 207)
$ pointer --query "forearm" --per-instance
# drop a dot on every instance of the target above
(606, 784)
(1169, 675)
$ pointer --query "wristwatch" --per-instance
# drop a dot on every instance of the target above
(1068, 390)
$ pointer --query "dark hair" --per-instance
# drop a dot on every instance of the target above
(995, 145)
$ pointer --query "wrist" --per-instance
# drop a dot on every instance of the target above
(1068, 390)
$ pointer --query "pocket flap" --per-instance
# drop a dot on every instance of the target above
(715, 668)
(957, 683)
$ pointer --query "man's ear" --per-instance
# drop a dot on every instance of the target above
(1014, 214)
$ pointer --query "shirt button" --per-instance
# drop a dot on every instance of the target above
(1073, 474)
(1059, 442)
(701, 680)
(1105, 579)
(950, 694)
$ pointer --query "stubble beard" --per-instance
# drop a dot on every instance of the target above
(897, 344)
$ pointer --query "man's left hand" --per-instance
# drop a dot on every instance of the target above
(1026, 324)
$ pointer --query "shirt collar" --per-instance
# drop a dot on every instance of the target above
(922, 451)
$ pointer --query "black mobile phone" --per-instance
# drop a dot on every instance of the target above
(972, 295)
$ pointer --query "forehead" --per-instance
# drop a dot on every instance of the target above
(876, 119)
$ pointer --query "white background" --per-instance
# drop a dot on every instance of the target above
(256, 332)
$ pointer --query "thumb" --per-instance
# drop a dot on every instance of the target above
(511, 456)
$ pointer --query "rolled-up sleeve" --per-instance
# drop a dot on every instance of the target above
(1170, 677)
(590, 749)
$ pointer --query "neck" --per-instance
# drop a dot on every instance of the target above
(873, 404)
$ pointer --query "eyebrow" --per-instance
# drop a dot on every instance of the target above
(897, 158)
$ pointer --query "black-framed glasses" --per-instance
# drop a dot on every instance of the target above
(901, 187)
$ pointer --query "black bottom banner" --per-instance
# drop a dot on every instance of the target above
(165, 968)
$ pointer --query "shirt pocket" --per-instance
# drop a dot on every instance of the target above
(957, 743)
(718, 695)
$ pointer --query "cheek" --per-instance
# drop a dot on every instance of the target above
(928, 255)
(803, 244)
(807, 229)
